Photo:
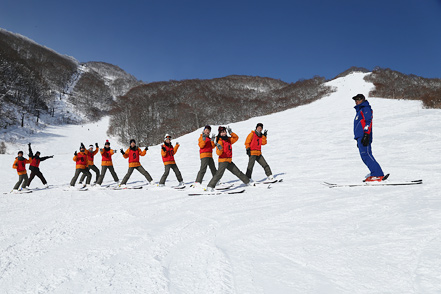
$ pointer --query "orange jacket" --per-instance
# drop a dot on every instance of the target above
(81, 164)
(20, 170)
(164, 154)
(205, 147)
(262, 141)
(233, 140)
(90, 156)
(135, 163)
(104, 159)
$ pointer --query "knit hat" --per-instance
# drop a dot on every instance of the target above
(90, 146)
(207, 127)
(132, 140)
(359, 97)
(82, 146)
(107, 143)
(221, 128)
(37, 153)
(259, 125)
(20, 152)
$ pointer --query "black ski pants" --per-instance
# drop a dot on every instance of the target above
(95, 169)
(206, 161)
(85, 171)
(175, 168)
(220, 172)
(36, 172)
(260, 160)
(138, 168)
(104, 169)
(21, 178)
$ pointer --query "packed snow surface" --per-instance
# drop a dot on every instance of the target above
(297, 237)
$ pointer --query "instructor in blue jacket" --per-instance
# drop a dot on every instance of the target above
(363, 135)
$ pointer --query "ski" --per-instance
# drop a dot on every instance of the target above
(218, 192)
(224, 186)
(179, 187)
(76, 189)
(18, 192)
(267, 182)
(127, 187)
(383, 183)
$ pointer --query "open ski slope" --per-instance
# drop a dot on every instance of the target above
(298, 237)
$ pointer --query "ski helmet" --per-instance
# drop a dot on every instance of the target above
(167, 136)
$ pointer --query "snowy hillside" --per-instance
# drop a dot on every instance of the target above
(297, 237)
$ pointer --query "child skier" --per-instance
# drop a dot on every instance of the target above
(133, 153)
(34, 166)
(90, 164)
(253, 144)
(20, 165)
(206, 145)
(81, 166)
(167, 153)
(225, 151)
(106, 163)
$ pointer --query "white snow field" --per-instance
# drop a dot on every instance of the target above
(297, 237)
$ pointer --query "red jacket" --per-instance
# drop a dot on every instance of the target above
(206, 147)
(20, 166)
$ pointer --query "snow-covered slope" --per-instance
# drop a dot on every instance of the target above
(298, 237)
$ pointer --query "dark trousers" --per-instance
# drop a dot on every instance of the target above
(207, 161)
(220, 172)
(36, 172)
(95, 169)
(175, 168)
(85, 172)
(104, 169)
(141, 170)
(21, 178)
(260, 160)
(369, 160)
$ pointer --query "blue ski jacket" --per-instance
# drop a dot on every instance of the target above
(363, 120)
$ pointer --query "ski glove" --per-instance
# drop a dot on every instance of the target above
(122, 151)
(213, 138)
(96, 144)
(75, 153)
(146, 148)
(177, 143)
(219, 146)
(265, 133)
(204, 137)
(163, 149)
(365, 139)
(229, 130)
(248, 152)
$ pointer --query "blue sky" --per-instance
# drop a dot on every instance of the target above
(288, 40)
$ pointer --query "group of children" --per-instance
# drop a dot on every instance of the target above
(222, 142)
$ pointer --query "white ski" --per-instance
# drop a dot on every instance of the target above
(127, 187)
(218, 192)
(383, 183)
